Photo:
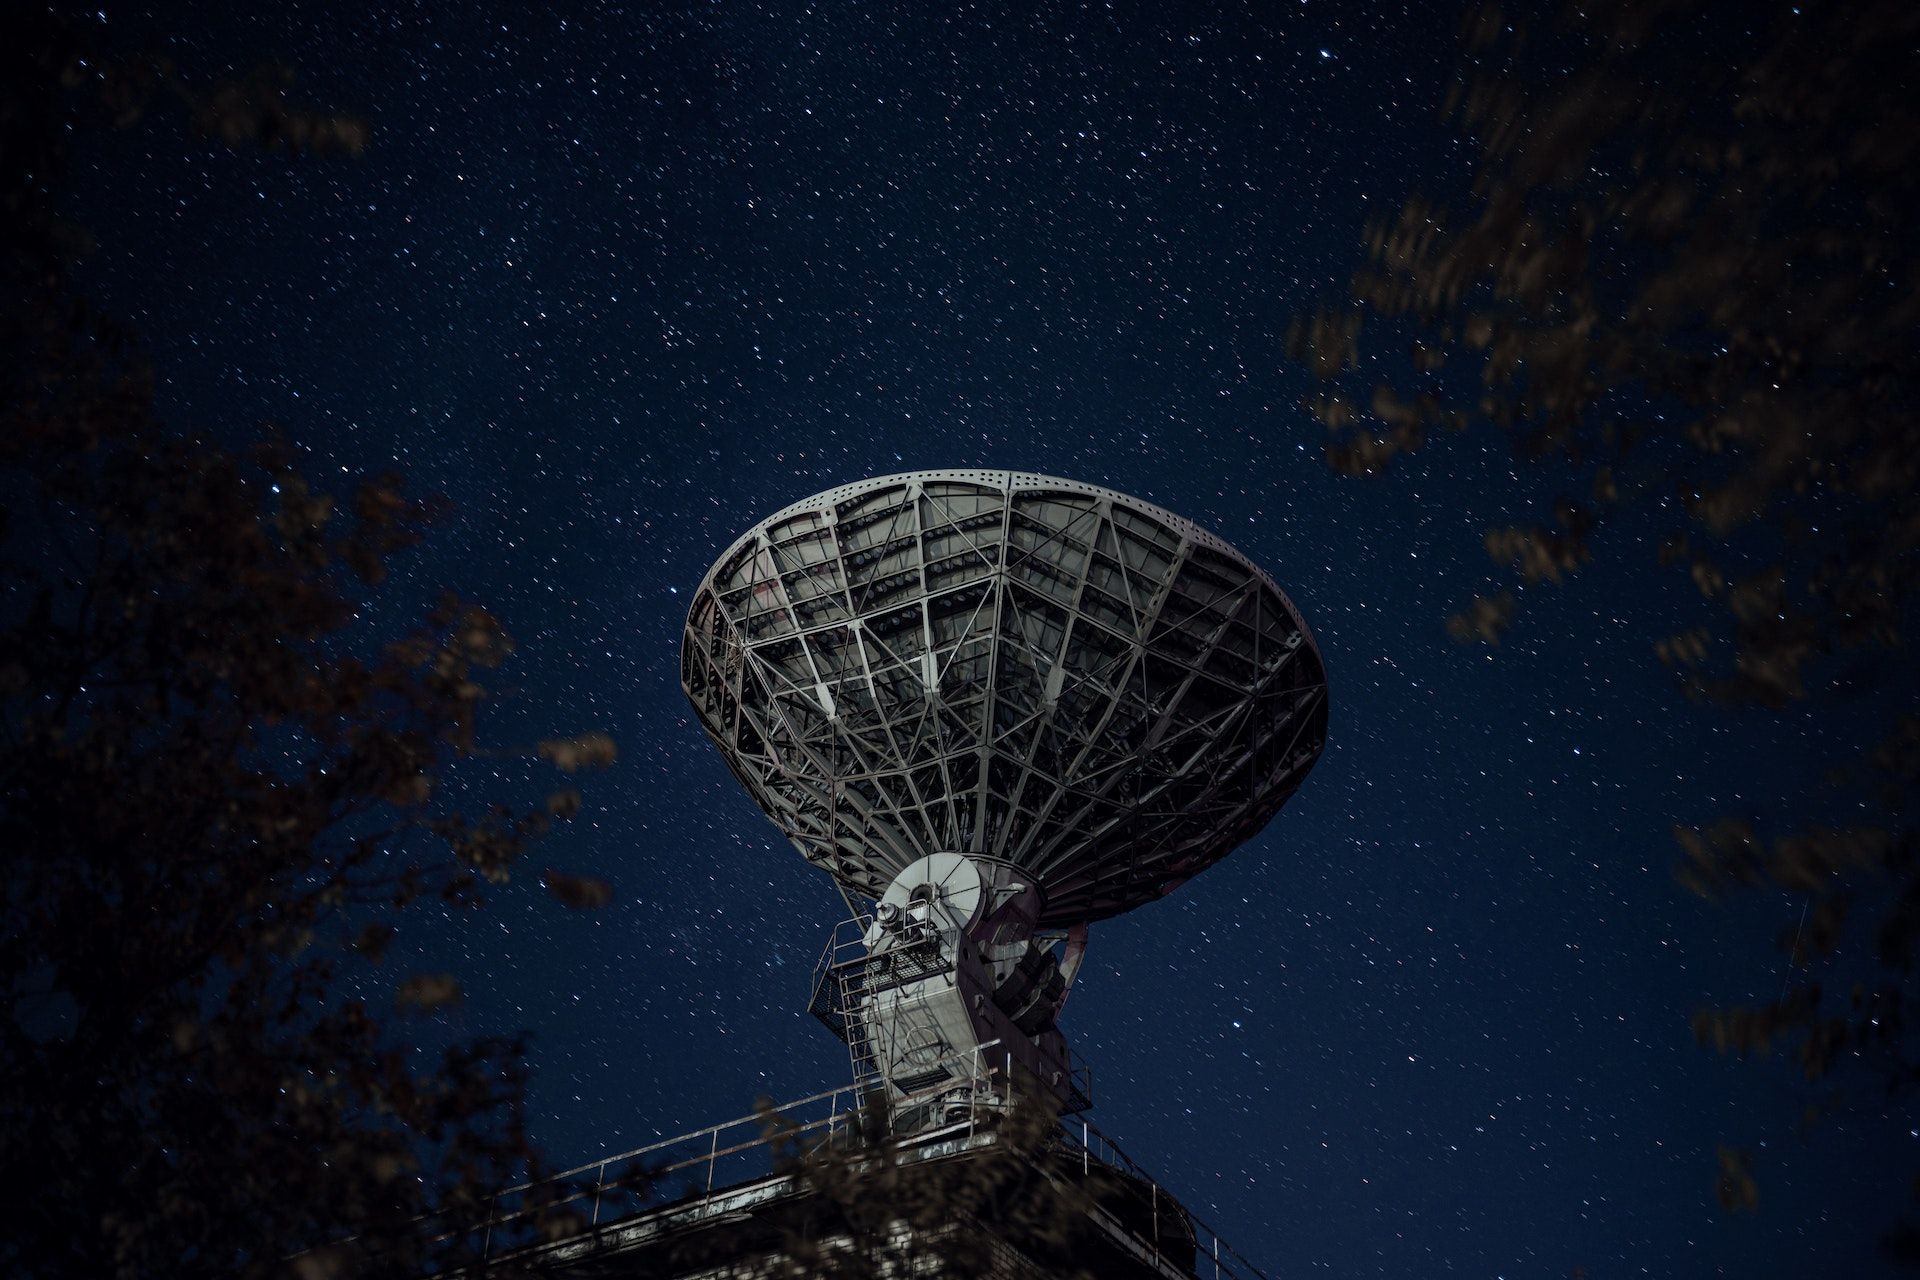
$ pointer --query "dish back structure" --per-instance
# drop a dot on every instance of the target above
(1042, 672)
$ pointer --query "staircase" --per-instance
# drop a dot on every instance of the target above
(848, 979)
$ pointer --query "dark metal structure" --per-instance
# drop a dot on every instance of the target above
(724, 1201)
(1012, 666)
(995, 707)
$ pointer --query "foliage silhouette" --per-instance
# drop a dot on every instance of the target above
(1682, 282)
(219, 788)
(878, 1209)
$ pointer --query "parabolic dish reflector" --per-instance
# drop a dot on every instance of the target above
(1010, 666)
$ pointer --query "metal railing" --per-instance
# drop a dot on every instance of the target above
(694, 1173)
(1212, 1254)
(688, 1169)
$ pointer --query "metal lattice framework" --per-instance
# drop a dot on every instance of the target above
(1006, 665)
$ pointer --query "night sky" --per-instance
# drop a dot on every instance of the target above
(621, 282)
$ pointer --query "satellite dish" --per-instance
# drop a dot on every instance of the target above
(1082, 697)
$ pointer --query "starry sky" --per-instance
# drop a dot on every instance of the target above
(620, 281)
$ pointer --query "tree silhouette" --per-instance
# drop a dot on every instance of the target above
(1682, 282)
(218, 789)
(876, 1208)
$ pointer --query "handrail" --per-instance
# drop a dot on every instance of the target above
(1110, 1154)
(982, 1069)
(1211, 1250)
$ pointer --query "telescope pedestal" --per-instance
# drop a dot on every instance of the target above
(951, 980)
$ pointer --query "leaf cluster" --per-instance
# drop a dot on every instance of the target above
(1682, 280)
(1691, 288)
(220, 793)
(879, 1208)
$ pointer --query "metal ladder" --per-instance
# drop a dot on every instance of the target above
(849, 978)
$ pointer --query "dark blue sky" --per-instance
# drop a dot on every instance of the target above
(621, 281)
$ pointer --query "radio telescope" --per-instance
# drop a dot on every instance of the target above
(995, 707)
